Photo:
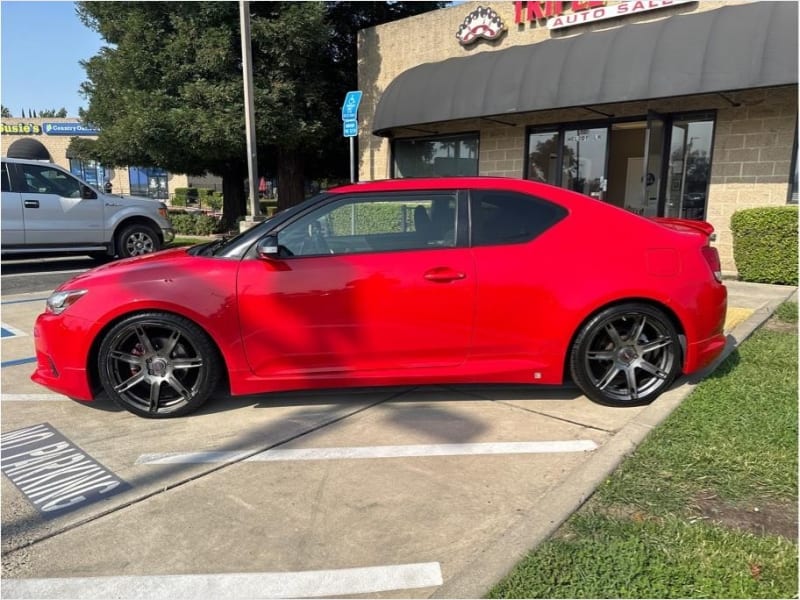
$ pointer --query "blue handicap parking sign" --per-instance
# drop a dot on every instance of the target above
(350, 106)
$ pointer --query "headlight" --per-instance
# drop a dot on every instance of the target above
(58, 302)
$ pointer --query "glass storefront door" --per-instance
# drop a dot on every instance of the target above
(653, 166)
(543, 157)
(584, 161)
(653, 155)
(689, 168)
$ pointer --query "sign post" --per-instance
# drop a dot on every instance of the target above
(350, 125)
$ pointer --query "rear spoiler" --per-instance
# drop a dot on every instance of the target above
(687, 225)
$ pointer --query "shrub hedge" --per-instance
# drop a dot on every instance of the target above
(765, 244)
(386, 217)
(203, 197)
(194, 223)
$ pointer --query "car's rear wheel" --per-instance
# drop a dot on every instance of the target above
(158, 365)
(626, 355)
(137, 239)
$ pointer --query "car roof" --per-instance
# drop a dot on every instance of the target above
(438, 183)
(27, 160)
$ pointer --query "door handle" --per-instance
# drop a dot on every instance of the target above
(31, 204)
(443, 275)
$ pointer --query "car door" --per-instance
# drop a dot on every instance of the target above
(54, 207)
(359, 287)
(514, 263)
(11, 218)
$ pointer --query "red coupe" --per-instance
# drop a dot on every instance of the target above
(414, 281)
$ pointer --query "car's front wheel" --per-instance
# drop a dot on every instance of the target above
(158, 365)
(626, 355)
(137, 239)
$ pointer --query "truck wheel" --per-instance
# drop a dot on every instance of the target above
(137, 239)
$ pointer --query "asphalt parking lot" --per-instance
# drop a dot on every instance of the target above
(402, 492)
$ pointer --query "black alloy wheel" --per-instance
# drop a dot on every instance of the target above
(137, 239)
(626, 355)
(158, 365)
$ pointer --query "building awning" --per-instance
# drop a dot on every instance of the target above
(28, 148)
(731, 48)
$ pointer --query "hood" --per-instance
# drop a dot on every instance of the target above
(162, 260)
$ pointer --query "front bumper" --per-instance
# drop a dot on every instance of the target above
(62, 349)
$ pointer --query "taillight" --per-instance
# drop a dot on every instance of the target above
(712, 258)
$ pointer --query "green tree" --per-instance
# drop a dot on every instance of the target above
(6, 113)
(50, 113)
(167, 90)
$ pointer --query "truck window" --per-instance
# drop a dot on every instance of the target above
(42, 179)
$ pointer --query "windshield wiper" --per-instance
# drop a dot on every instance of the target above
(211, 247)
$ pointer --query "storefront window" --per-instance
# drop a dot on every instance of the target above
(689, 167)
(436, 157)
(584, 161)
(149, 181)
(543, 157)
(90, 171)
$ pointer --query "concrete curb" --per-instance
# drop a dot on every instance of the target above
(491, 563)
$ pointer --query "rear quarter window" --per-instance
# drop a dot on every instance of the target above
(500, 217)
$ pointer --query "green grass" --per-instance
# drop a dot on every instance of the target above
(605, 557)
(643, 534)
(787, 312)
(186, 241)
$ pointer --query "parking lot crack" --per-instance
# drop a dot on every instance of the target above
(549, 416)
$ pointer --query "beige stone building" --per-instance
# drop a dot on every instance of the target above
(665, 108)
(54, 135)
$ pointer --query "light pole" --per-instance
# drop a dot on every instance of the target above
(249, 116)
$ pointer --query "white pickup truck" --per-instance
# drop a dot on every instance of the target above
(47, 210)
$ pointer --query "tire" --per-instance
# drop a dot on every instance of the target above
(626, 355)
(137, 239)
(158, 365)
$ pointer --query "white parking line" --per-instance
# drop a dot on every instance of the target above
(420, 450)
(300, 584)
(10, 331)
(32, 397)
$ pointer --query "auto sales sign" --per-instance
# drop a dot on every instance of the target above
(557, 15)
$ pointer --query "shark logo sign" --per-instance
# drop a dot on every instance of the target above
(480, 23)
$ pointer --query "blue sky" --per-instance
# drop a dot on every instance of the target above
(41, 46)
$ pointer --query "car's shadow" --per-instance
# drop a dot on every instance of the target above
(223, 402)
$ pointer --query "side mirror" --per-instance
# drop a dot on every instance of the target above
(268, 247)
(88, 193)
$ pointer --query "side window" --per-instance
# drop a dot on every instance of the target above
(510, 218)
(6, 183)
(41, 179)
(374, 224)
